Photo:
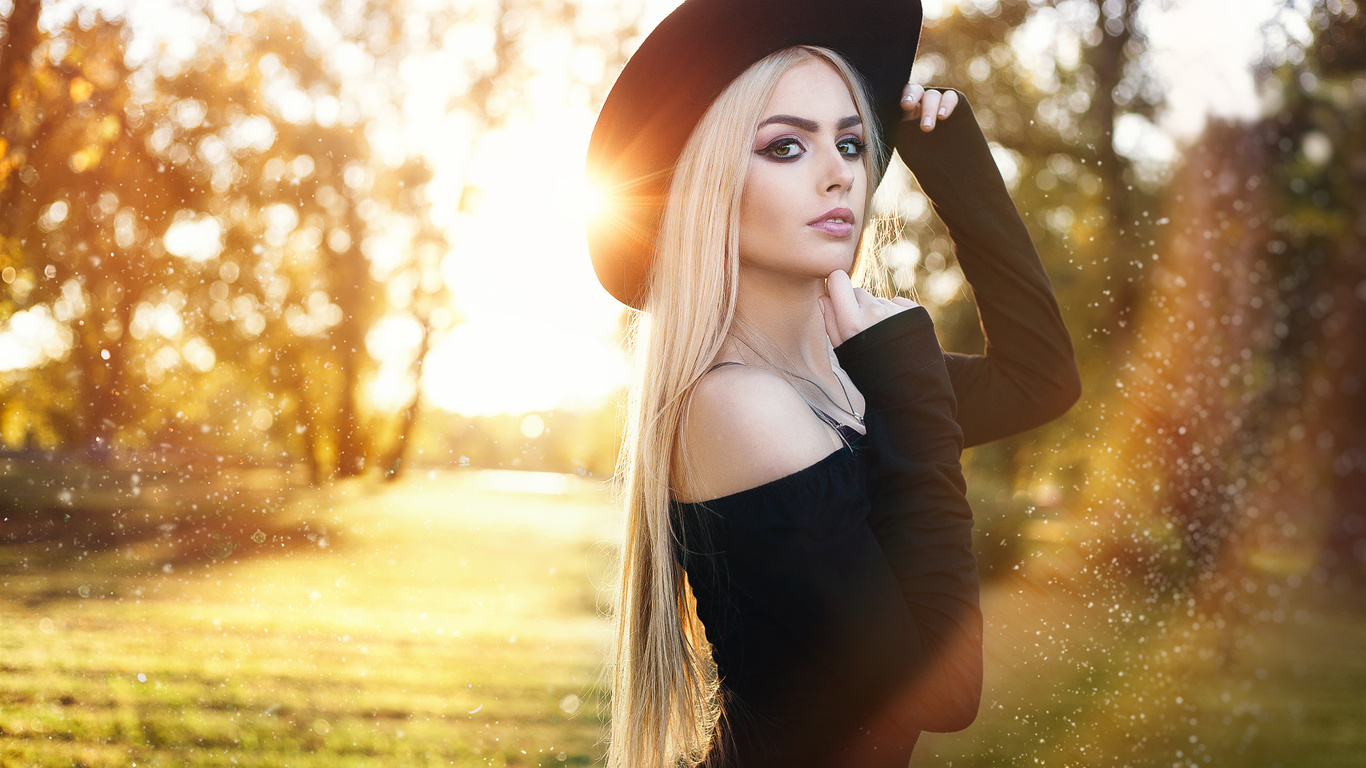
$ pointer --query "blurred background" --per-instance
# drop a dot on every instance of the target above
(310, 400)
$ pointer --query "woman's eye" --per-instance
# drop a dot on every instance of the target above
(784, 148)
(851, 147)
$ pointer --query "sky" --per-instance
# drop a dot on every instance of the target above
(537, 332)
(1204, 50)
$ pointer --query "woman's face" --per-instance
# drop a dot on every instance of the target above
(801, 210)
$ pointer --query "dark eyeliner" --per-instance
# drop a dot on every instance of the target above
(859, 147)
(770, 150)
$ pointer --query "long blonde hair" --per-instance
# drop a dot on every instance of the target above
(665, 707)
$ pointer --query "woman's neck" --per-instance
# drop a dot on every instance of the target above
(785, 310)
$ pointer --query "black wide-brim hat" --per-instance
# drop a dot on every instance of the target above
(681, 67)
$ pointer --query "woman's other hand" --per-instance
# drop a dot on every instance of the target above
(849, 310)
(930, 106)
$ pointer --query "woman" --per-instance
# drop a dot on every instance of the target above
(798, 586)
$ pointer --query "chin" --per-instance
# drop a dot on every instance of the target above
(845, 263)
(805, 259)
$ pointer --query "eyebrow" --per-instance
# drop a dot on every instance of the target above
(810, 126)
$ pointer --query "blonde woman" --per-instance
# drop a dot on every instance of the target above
(797, 581)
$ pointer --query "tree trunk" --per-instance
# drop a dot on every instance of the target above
(349, 336)
(393, 465)
(307, 419)
(21, 38)
(1107, 60)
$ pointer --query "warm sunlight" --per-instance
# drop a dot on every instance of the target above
(591, 200)
(539, 331)
(536, 330)
(316, 446)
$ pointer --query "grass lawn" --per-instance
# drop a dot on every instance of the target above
(456, 618)
(448, 620)
(1081, 672)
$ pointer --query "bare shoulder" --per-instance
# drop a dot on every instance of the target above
(745, 427)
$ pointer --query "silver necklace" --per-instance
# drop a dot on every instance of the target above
(850, 410)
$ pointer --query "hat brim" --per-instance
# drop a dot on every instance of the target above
(681, 67)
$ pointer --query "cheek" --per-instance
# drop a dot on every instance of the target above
(761, 202)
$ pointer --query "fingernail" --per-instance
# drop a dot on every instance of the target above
(944, 112)
(927, 122)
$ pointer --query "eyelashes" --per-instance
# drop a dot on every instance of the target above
(790, 148)
(783, 149)
(857, 148)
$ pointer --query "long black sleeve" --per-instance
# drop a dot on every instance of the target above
(1028, 374)
(920, 514)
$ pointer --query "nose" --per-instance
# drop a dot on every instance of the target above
(838, 171)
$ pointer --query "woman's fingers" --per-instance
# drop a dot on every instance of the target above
(930, 106)
(840, 291)
(849, 310)
(910, 99)
(947, 104)
(842, 308)
(831, 327)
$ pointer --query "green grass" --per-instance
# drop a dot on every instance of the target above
(1087, 671)
(454, 620)
(436, 622)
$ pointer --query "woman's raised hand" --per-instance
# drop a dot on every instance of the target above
(849, 310)
(929, 106)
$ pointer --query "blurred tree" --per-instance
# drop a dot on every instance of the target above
(17, 120)
(221, 233)
(495, 51)
(1239, 432)
(1183, 461)
(17, 126)
(85, 206)
(1050, 82)
(499, 83)
(1317, 260)
(427, 299)
(293, 179)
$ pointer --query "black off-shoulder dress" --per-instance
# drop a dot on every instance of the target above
(841, 601)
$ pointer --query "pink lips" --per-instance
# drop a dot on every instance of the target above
(837, 228)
